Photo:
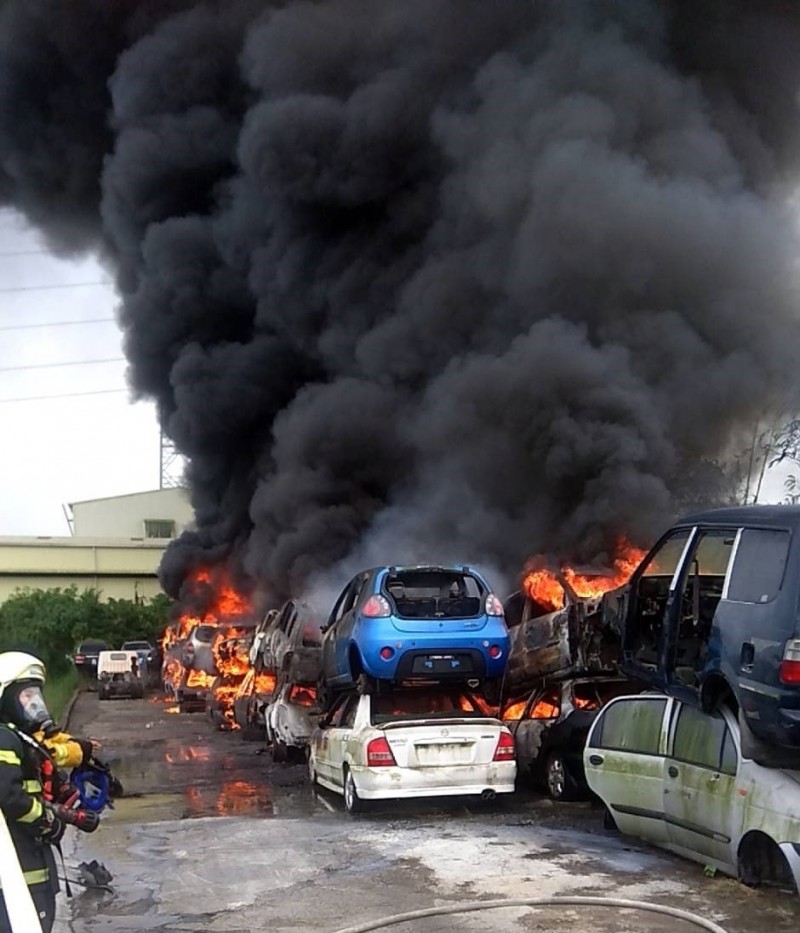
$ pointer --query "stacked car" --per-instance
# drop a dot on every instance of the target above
(412, 660)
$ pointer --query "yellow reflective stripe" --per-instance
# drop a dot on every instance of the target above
(35, 876)
(9, 758)
(32, 787)
(34, 813)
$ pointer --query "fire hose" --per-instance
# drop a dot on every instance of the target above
(566, 901)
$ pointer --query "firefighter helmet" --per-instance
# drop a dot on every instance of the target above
(16, 666)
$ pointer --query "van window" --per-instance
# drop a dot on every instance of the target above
(698, 738)
(760, 562)
(631, 726)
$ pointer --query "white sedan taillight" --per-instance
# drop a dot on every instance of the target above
(379, 754)
(505, 750)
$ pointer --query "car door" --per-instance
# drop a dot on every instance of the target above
(700, 783)
(340, 734)
(330, 667)
(328, 727)
(624, 763)
(345, 625)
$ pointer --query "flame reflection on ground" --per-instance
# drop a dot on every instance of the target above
(234, 798)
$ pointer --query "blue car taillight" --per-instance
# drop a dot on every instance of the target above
(376, 607)
(493, 606)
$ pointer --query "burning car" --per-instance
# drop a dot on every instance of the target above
(290, 720)
(550, 726)
(556, 622)
(232, 663)
(258, 685)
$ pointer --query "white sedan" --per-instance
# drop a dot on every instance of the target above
(411, 742)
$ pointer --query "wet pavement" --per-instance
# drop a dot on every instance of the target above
(212, 836)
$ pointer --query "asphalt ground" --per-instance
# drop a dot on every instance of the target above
(213, 836)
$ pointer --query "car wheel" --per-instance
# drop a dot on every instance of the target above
(352, 802)
(559, 782)
(609, 822)
(280, 752)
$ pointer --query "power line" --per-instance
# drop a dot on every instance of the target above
(93, 320)
(13, 369)
(45, 288)
(43, 398)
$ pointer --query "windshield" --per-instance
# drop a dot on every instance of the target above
(417, 703)
(136, 646)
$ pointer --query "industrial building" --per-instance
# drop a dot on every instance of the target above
(115, 547)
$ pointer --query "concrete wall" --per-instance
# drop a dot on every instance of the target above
(118, 568)
(126, 516)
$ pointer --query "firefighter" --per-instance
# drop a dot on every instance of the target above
(32, 751)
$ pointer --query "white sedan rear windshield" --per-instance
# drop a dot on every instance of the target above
(410, 704)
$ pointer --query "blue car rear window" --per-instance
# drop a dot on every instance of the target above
(434, 594)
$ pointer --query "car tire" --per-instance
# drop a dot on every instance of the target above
(609, 822)
(280, 753)
(352, 802)
(559, 783)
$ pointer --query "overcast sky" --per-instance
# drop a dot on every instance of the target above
(71, 447)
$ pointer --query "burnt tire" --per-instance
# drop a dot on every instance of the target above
(558, 782)
(352, 802)
(492, 690)
(280, 753)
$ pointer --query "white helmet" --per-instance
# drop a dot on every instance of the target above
(16, 666)
(22, 701)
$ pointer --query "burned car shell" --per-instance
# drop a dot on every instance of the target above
(551, 730)
(293, 644)
(545, 643)
(712, 610)
(291, 718)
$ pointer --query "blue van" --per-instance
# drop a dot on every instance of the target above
(419, 623)
(712, 615)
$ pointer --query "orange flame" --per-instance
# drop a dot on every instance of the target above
(265, 683)
(199, 679)
(514, 711)
(542, 584)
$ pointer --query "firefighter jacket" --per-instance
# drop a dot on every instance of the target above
(21, 803)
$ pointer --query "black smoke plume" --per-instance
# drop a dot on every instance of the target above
(460, 280)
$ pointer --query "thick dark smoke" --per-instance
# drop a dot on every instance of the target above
(458, 280)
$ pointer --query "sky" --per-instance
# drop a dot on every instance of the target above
(59, 446)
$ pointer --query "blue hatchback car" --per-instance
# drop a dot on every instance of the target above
(415, 624)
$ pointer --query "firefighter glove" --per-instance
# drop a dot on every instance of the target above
(52, 831)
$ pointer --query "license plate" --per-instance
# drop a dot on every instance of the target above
(444, 754)
(442, 664)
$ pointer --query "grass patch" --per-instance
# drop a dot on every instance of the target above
(58, 690)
